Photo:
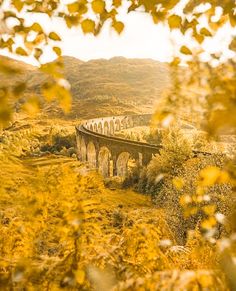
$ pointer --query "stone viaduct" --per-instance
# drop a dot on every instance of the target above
(97, 145)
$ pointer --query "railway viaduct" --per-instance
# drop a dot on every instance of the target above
(97, 145)
(101, 149)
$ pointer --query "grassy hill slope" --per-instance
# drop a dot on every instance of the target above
(100, 87)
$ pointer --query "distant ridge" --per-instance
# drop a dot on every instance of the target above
(113, 86)
(17, 64)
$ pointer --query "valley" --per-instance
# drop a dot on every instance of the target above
(64, 225)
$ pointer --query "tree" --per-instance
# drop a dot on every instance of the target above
(174, 152)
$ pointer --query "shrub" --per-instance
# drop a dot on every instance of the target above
(59, 142)
(155, 137)
(176, 160)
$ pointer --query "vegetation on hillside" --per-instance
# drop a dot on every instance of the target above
(172, 178)
(76, 234)
(60, 227)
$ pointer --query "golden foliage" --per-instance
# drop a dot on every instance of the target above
(62, 229)
(75, 13)
(54, 232)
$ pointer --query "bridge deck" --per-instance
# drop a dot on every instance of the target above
(84, 130)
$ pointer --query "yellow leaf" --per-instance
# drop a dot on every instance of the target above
(73, 7)
(18, 4)
(21, 51)
(79, 276)
(208, 223)
(204, 31)
(174, 21)
(232, 19)
(54, 36)
(36, 27)
(200, 191)
(170, 4)
(206, 280)
(98, 6)
(71, 21)
(49, 92)
(38, 52)
(39, 39)
(64, 98)
(88, 26)
(185, 50)
(56, 92)
(116, 3)
(223, 178)
(176, 61)
(209, 209)
(190, 211)
(199, 37)
(155, 17)
(54, 69)
(184, 200)
(178, 183)
(29, 45)
(118, 26)
(232, 45)
(57, 50)
(158, 16)
(209, 175)
(31, 106)
(162, 118)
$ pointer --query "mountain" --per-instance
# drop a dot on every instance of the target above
(13, 71)
(17, 64)
(103, 87)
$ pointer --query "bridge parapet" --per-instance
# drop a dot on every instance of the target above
(109, 125)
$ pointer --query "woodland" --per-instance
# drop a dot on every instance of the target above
(170, 225)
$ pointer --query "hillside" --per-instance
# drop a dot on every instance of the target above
(64, 226)
(104, 86)
(48, 203)
(12, 71)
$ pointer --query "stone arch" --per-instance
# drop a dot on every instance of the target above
(122, 164)
(104, 158)
(95, 127)
(91, 154)
(126, 163)
(130, 123)
(112, 127)
(117, 125)
(124, 123)
(100, 129)
(83, 150)
(91, 127)
(106, 128)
